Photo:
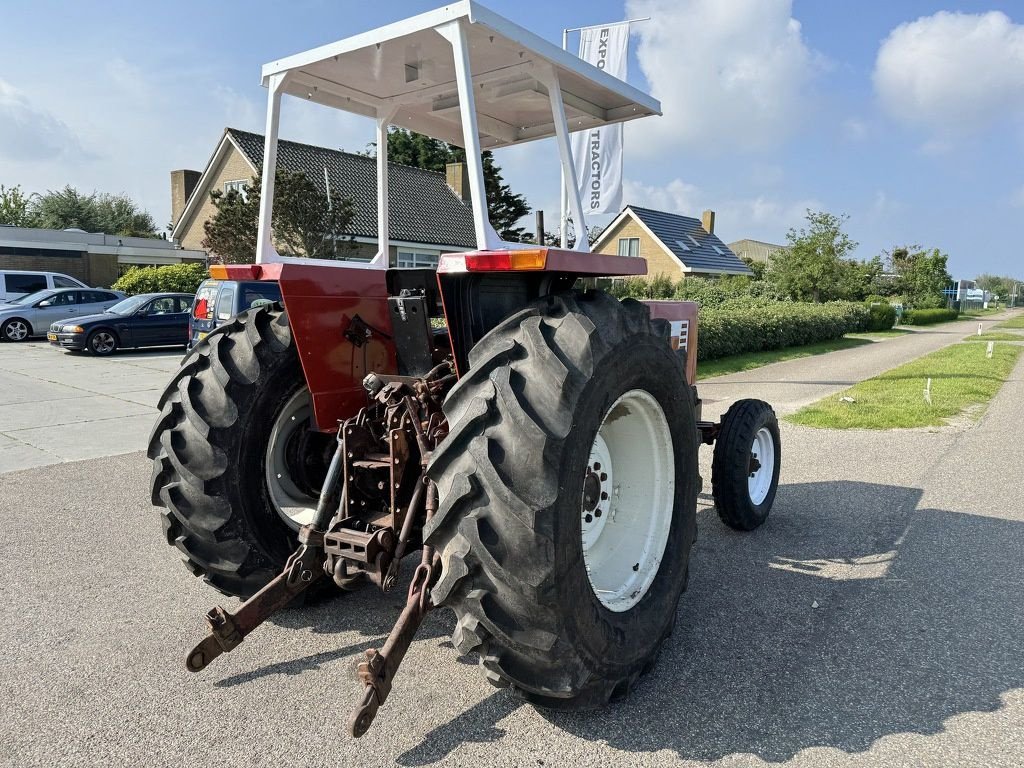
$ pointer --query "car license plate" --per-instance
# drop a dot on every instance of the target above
(203, 335)
(51, 336)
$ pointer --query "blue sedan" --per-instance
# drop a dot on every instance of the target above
(146, 320)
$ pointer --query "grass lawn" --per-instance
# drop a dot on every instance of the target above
(736, 363)
(996, 336)
(1017, 321)
(961, 376)
(980, 312)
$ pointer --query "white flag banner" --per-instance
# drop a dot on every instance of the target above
(597, 153)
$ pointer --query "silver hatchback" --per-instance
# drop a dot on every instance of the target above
(31, 315)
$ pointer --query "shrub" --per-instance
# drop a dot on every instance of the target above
(928, 316)
(883, 317)
(733, 329)
(178, 278)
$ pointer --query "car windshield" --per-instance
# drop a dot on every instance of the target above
(32, 297)
(128, 306)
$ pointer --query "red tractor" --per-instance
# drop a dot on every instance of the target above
(534, 441)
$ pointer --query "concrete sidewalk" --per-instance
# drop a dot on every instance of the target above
(790, 385)
(57, 407)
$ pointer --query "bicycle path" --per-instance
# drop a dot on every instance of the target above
(792, 384)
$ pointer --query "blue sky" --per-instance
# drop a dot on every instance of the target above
(908, 116)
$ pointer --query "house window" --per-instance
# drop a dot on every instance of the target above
(629, 246)
(683, 245)
(240, 187)
(407, 259)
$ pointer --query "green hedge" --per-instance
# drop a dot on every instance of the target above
(928, 316)
(735, 330)
(883, 317)
(177, 278)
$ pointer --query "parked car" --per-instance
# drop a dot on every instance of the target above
(15, 283)
(33, 314)
(217, 301)
(146, 320)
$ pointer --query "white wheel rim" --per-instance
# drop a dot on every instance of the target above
(762, 451)
(628, 499)
(295, 506)
(16, 330)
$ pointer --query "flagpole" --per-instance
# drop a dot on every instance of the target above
(564, 197)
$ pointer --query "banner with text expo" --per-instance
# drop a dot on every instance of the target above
(597, 152)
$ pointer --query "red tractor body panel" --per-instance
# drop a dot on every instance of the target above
(323, 304)
(342, 327)
(682, 316)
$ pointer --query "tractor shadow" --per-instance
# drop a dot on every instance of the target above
(917, 620)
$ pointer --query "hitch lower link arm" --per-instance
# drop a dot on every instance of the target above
(377, 673)
(305, 566)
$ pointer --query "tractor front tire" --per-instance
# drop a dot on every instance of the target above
(209, 450)
(745, 465)
(567, 499)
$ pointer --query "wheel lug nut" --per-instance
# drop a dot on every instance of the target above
(597, 513)
(604, 496)
(597, 466)
(588, 518)
(603, 477)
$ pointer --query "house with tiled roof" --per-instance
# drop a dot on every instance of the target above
(429, 214)
(674, 245)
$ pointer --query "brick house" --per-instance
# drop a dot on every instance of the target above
(428, 211)
(675, 246)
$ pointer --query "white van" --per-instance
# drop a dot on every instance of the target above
(15, 283)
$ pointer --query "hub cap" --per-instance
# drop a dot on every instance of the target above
(103, 343)
(289, 490)
(762, 466)
(627, 502)
(16, 330)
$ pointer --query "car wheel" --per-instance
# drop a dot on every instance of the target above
(102, 342)
(15, 329)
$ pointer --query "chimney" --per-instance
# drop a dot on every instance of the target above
(183, 184)
(457, 176)
(707, 220)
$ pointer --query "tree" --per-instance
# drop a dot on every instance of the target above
(921, 275)
(504, 207)
(759, 268)
(306, 222)
(997, 286)
(815, 265)
(96, 212)
(15, 207)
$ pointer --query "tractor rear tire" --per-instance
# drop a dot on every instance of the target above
(745, 465)
(209, 446)
(519, 486)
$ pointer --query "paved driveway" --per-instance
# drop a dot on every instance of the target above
(56, 406)
(875, 620)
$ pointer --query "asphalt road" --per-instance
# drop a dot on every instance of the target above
(909, 543)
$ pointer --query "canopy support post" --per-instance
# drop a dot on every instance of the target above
(454, 32)
(383, 257)
(265, 251)
(572, 189)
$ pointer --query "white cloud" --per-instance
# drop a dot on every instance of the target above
(30, 133)
(952, 72)
(677, 196)
(734, 74)
(854, 129)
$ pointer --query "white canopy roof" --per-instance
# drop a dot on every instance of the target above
(408, 66)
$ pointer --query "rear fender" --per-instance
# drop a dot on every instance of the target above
(339, 320)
